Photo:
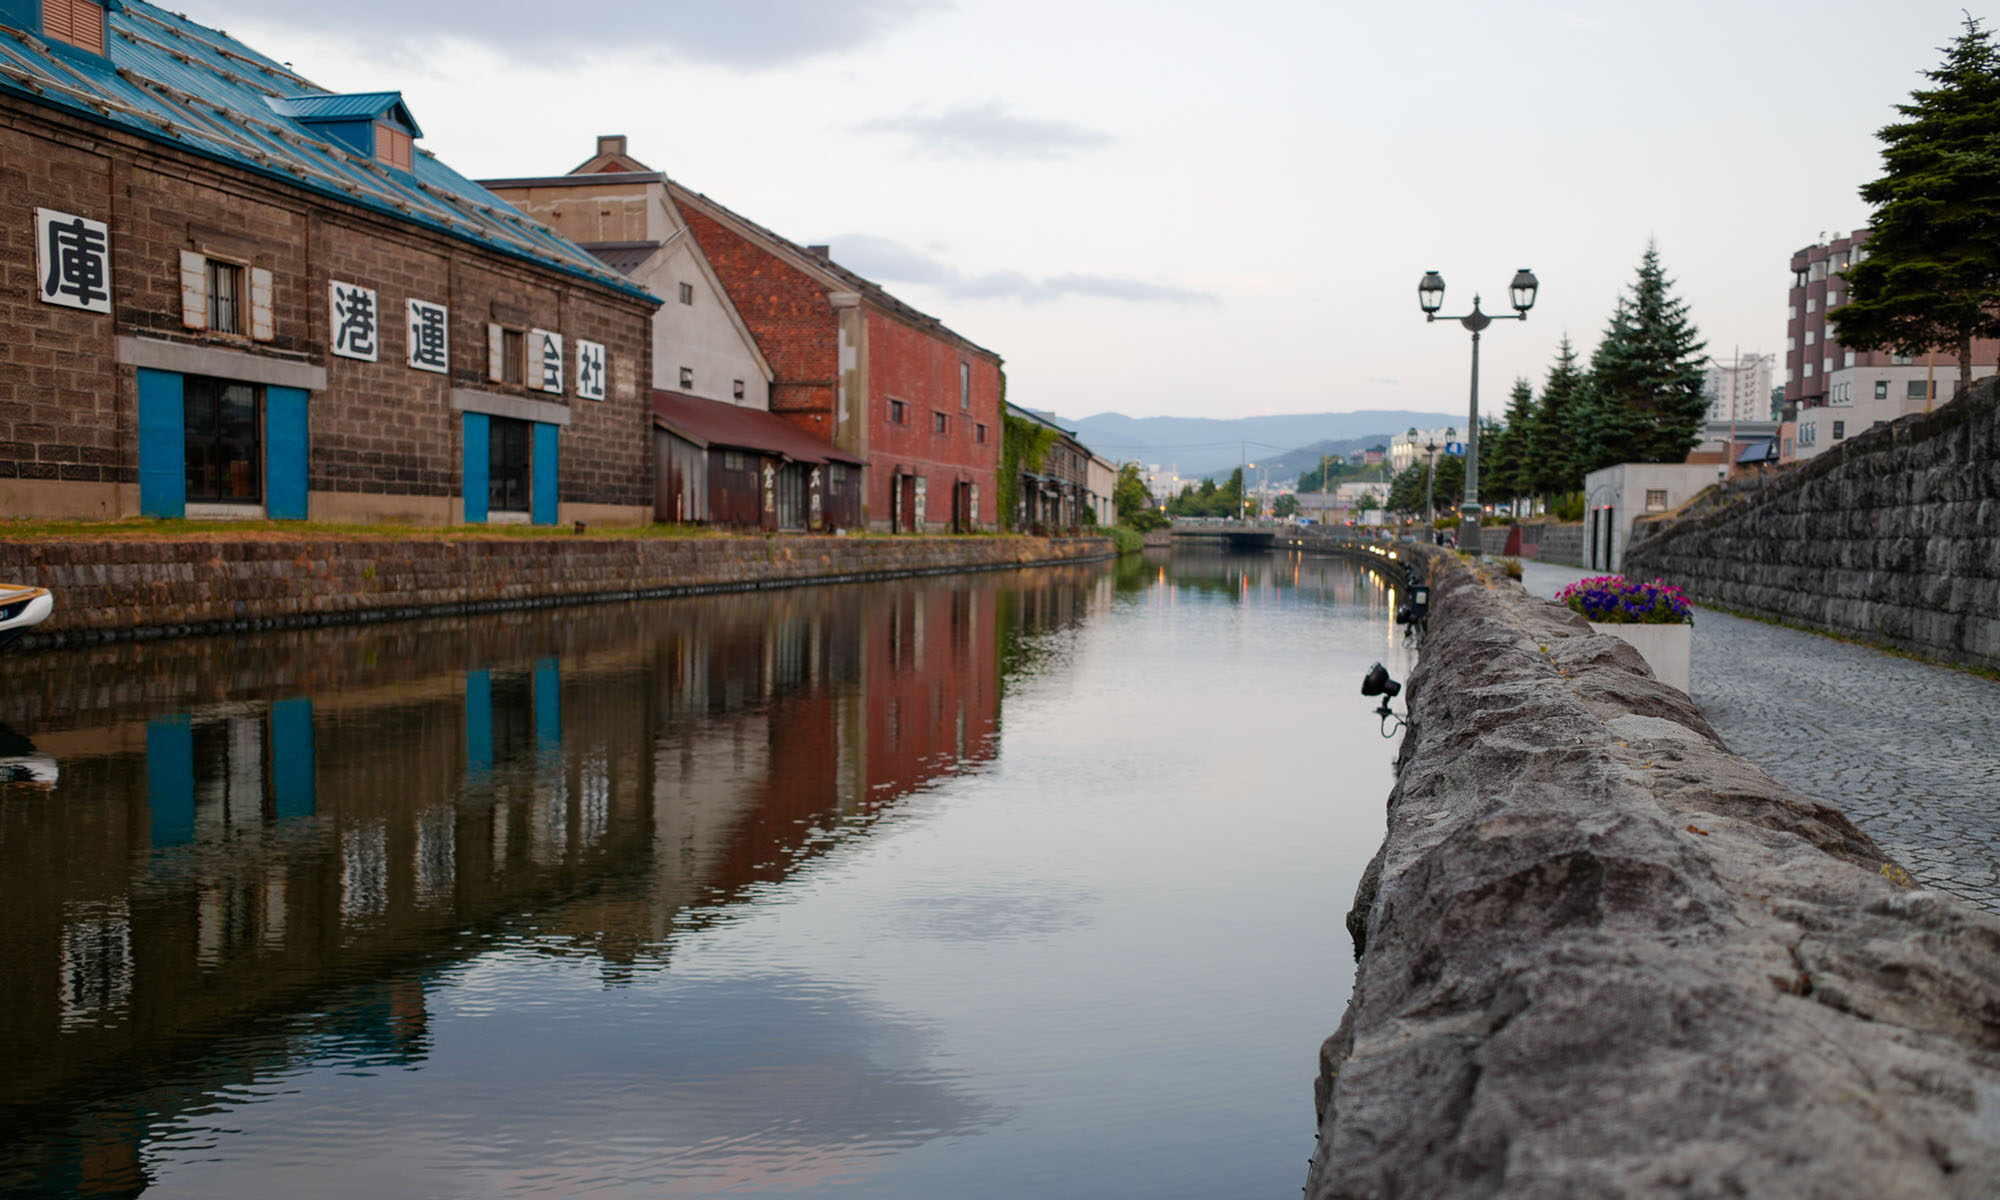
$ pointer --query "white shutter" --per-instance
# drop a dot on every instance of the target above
(194, 290)
(496, 353)
(260, 305)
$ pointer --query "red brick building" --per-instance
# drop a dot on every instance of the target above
(919, 403)
(230, 293)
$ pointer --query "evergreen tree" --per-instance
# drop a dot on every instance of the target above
(1931, 275)
(1503, 451)
(1646, 402)
(1554, 433)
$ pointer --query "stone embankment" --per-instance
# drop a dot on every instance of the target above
(111, 587)
(1893, 537)
(1602, 956)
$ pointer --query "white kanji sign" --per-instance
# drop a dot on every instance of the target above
(357, 320)
(73, 261)
(546, 349)
(589, 369)
(430, 337)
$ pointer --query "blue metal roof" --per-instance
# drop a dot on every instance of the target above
(354, 106)
(168, 79)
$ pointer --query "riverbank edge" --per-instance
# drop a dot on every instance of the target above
(112, 589)
(1599, 954)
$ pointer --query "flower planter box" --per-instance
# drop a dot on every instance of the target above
(1667, 649)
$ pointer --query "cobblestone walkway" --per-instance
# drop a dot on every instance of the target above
(1911, 752)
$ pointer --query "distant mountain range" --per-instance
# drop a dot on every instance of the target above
(1198, 446)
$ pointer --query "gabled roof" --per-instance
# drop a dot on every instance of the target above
(1044, 419)
(172, 81)
(355, 106)
(830, 273)
(713, 423)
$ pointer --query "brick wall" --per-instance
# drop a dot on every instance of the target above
(112, 587)
(921, 370)
(1894, 537)
(68, 412)
(790, 316)
(59, 414)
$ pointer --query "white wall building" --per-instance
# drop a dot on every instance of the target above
(1741, 391)
(1100, 480)
(1861, 397)
(1614, 497)
(1404, 449)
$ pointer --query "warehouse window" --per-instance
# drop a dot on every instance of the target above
(221, 427)
(392, 146)
(507, 466)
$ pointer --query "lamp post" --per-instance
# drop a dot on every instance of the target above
(1430, 297)
(1430, 479)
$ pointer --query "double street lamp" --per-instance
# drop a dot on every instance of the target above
(1430, 474)
(1430, 297)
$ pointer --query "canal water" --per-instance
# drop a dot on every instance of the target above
(1023, 884)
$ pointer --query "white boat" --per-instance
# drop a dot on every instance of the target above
(22, 608)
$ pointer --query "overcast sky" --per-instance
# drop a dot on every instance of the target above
(1196, 209)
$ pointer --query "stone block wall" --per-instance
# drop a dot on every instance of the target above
(109, 588)
(1600, 955)
(1894, 537)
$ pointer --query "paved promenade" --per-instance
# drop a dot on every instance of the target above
(1911, 752)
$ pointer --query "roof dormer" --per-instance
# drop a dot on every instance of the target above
(375, 125)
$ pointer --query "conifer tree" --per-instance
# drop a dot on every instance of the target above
(1646, 402)
(1931, 275)
(1504, 458)
(1553, 431)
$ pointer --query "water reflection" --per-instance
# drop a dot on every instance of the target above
(251, 876)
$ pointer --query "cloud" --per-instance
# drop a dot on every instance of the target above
(986, 131)
(1385, 381)
(888, 261)
(746, 34)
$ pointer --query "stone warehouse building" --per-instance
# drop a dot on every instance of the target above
(849, 363)
(229, 292)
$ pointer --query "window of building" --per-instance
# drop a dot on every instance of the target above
(940, 423)
(514, 355)
(508, 481)
(1826, 365)
(1839, 430)
(1812, 304)
(1656, 499)
(687, 293)
(1917, 390)
(1814, 273)
(220, 420)
(1881, 389)
(1791, 312)
(225, 297)
(732, 460)
(80, 23)
(965, 387)
(1798, 279)
(687, 378)
(1902, 360)
(899, 412)
(1847, 358)
(979, 434)
(1791, 343)
(1788, 447)
(736, 388)
(392, 146)
(1809, 370)
(1809, 337)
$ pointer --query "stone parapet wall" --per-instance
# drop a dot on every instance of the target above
(1600, 955)
(1894, 537)
(110, 587)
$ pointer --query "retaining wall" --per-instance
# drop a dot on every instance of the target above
(1893, 536)
(108, 588)
(1602, 956)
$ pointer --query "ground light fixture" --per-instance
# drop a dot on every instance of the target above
(1430, 297)
(1377, 683)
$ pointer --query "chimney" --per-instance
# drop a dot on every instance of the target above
(822, 253)
(611, 144)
